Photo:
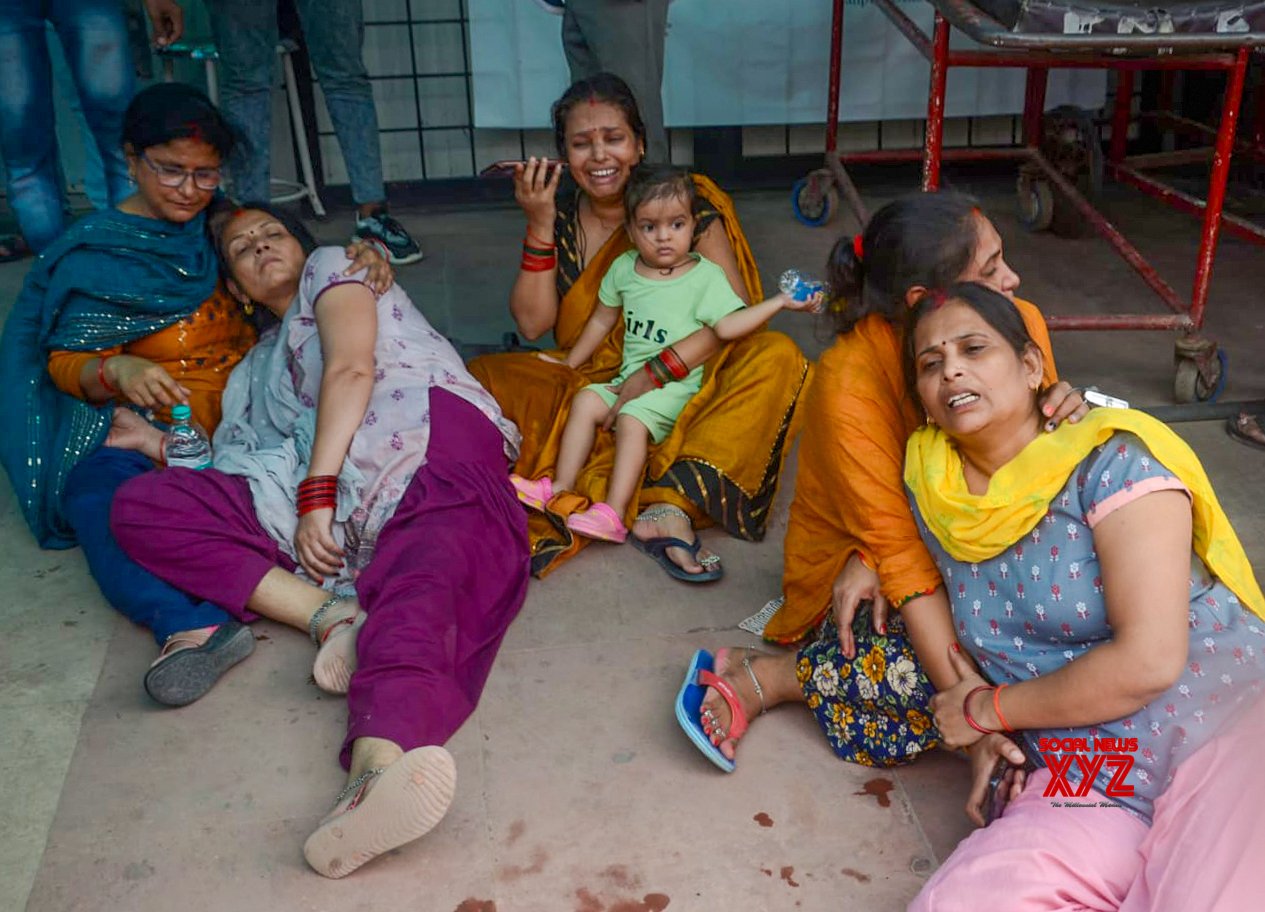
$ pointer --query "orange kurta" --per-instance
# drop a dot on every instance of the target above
(723, 458)
(199, 352)
(849, 488)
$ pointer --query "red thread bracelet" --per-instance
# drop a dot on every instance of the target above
(106, 384)
(966, 711)
(1005, 726)
(535, 240)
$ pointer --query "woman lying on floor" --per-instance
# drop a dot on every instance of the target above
(355, 447)
(126, 310)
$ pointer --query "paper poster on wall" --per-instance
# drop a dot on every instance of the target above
(739, 62)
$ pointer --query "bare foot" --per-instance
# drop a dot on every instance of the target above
(676, 525)
(336, 659)
(729, 667)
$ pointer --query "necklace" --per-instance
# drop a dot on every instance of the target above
(664, 271)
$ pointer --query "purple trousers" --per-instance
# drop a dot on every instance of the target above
(448, 576)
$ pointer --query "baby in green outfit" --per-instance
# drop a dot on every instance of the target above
(665, 292)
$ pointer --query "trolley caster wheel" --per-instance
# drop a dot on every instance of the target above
(1196, 383)
(1036, 202)
(814, 200)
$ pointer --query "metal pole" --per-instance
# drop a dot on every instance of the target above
(935, 106)
(1216, 187)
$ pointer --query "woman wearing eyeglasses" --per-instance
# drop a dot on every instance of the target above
(126, 309)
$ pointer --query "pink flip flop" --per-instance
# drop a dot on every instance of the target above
(534, 494)
(599, 521)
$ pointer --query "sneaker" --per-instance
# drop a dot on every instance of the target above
(380, 226)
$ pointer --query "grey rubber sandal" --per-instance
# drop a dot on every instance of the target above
(184, 675)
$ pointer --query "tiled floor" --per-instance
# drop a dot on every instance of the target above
(576, 789)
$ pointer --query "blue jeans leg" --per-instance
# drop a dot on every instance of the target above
(246, 36)
(28, 140)
(94, 36)
(335, 32)
(132, 590)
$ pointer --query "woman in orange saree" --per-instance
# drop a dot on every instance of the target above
(851, 540)
(722, 461)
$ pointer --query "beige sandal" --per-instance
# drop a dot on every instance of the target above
(382, 810)
(336, 654)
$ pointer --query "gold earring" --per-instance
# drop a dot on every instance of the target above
(248, 308)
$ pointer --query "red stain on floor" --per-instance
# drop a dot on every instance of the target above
(514, 872)
(855, 875)
(651, 902)
(517, 829)
(787, 871)
(763, 819)
(476, 905)
(766, 872)
(619, 876)
(880, 788)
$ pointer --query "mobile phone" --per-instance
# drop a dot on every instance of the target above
(1102, 400)
(998, 792)
(505, 167)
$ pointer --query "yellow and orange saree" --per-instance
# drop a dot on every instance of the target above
(722, 461)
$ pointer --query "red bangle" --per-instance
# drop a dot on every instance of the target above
(675, 363)
(654, 378)
(320, 492)
(106, 384)
(1005, 726)
(966, 711)
(532, 263)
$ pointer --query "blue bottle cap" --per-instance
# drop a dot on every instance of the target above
(181, 413)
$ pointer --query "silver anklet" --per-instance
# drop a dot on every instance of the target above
(314, 625)
(357, 783)
(759, 691)
(662, 511)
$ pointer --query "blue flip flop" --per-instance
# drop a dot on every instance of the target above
(689, 702)
(657, 549)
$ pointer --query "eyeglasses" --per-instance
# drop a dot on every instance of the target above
(171, 176)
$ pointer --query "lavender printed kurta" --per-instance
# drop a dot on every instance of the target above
(270, 414)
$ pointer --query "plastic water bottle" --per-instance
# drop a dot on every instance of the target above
(186, 444)
(799, 286)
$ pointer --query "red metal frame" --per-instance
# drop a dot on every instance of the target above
(1037, 59)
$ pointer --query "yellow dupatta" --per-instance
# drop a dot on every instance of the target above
(978, 527)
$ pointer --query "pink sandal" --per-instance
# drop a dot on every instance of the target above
(599, 521)
(383, 809)
(534, 494)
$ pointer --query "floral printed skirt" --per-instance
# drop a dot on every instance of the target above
(874, 708)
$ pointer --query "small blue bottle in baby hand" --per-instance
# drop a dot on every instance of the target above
(801, 287)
